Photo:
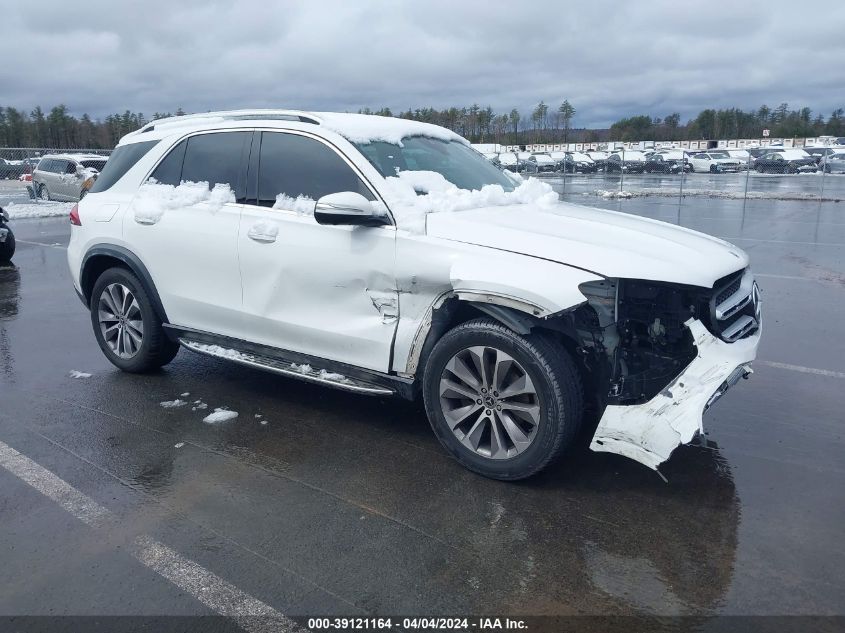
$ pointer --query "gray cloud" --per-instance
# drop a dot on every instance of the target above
(610, 59)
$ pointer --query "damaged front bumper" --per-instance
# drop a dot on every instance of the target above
(649, 432)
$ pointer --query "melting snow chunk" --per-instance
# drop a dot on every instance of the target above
(153, 199)
(185, 395)
(172, 404)
(79, 374)
(220, 415)
(179, 445)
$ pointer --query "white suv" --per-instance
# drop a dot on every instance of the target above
(385, 256)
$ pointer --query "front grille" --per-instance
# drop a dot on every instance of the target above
(735, 307)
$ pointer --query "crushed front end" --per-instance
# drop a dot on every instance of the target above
(661, 354)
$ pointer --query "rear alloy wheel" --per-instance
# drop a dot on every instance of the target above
(126, 325)
(44, 193)
(503, 404)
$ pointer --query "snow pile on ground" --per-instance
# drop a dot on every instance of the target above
(300, 204)
(79, 374)
(155, 199)
(364, 128)
(38, 210)
(414, 194)
(711, 193)
(173, 404)
(220, 415)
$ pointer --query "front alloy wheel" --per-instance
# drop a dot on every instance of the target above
(490, 402)
(120, 319)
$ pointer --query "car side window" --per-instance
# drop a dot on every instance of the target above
(169, 170)
(217, 158)
(293, 165)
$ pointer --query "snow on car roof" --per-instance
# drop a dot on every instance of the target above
(75, 156)
(356, 128)
(368, 128)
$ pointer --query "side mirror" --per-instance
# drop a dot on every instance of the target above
(347, 208)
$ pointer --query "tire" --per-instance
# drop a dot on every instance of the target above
(760, 169)
(691, 169)
(7, 248)
(556, 399)
(44, 193)
(714, 169)
(144, 346)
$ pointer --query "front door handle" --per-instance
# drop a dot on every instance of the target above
(264, 238)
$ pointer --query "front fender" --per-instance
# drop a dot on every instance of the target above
(536, 286)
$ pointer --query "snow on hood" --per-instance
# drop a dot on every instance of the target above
(154, 199)
(368, 128)
(607, 243)
(440, 196)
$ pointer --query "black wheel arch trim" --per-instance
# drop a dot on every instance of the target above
(132, 262)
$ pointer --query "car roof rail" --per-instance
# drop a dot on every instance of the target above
(237, 115)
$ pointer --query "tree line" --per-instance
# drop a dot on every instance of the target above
(57, 128)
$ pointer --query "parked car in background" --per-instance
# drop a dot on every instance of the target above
(509, 161)
(542, 162)
(507, 318)
(581, 162)
(714, 161)
(66, 176)
(833, 163)
(671, 161)
(630, 161)
(742, 156)
(785, 161)
(10, 169)
(493, 157)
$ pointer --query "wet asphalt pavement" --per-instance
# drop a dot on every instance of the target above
(344, 504)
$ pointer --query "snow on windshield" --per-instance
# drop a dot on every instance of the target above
(412, 195)
(365, 128)
(155, 199)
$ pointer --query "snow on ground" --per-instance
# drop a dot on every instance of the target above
(38, 210)
(220, 415)
(79, 374)
(154, 199)
(173, 404)
(709, 193)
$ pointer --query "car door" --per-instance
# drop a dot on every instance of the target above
(325, 291)
(69, 181)
(191, 250)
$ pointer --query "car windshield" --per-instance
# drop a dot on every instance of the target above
(456, 162)
(719, 155)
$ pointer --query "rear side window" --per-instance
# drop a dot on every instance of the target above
(169, 170)
(295, 165)
(217, 159)
(121, 160)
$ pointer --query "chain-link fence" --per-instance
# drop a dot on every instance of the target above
(716, 186)
(38, 175)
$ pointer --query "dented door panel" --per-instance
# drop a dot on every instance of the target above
(327, 291)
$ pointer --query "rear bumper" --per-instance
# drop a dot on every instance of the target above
(649, 432)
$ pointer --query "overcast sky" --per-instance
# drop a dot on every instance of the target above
(610, 59)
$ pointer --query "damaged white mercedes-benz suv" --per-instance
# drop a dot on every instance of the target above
(387, 257)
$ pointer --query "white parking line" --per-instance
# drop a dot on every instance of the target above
(209, 589)
(61, 246)
(802, 369)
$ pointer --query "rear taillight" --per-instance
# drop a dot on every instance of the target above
(74, 216)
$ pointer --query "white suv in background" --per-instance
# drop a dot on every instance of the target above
(385, 256)
(714, 162)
